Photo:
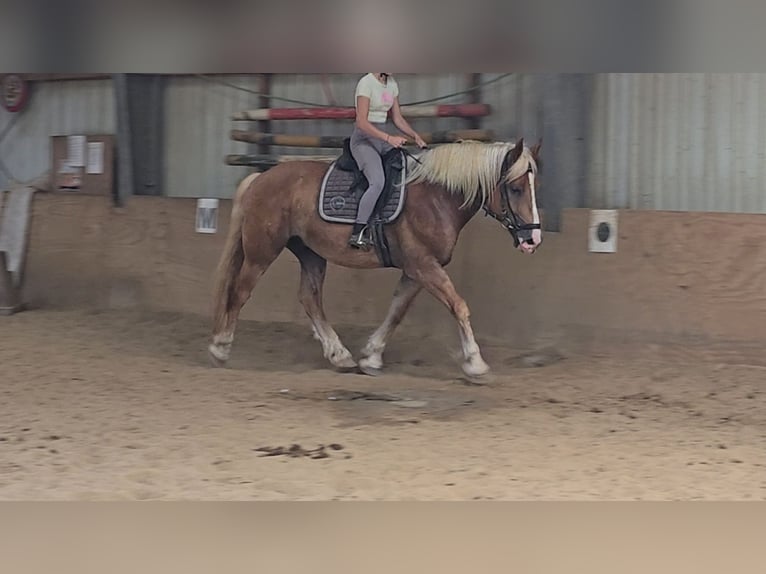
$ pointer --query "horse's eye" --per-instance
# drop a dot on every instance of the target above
(517, 190)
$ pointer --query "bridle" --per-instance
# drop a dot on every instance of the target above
(508, 217)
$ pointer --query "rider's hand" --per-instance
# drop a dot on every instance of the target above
(397, 141)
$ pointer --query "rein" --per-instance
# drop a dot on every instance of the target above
(408, 153)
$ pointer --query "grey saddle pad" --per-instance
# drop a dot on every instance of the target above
(338, 204)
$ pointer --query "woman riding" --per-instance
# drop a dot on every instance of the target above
(376, 95)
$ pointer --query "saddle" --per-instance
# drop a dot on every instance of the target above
(393, 163)
(344, 184)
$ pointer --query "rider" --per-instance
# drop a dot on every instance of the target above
(376, 94)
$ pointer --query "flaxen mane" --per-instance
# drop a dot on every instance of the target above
(469, 168)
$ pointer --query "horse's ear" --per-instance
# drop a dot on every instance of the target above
(536, 153)
(536, 149)
(515, 153)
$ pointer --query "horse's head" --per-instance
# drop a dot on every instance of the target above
(514, 201)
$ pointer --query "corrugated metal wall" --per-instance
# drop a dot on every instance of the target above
(515, 105)
(657, 141)
(690, 142)
(55, 108)
(198, 125)
(196, 135)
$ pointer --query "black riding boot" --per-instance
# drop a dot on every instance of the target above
(359, 239)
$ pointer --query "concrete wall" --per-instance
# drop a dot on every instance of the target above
(676, 276)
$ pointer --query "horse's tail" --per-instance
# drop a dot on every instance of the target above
(231, 261)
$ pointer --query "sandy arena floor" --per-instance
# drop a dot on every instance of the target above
(122, 405)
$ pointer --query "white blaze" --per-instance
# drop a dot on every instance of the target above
(536, 233)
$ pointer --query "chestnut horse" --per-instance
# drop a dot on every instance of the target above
(446, 186)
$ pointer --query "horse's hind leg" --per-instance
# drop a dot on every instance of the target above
(246, 280)
(313, 269)
(237, 280)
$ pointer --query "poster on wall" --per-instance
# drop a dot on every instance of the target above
(76, 150)
(95, 158)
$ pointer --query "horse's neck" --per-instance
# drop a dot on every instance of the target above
(460, 215)
(467, 213)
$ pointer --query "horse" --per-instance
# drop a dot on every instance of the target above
(447, 186)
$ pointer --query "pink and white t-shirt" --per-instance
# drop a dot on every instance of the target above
(381, 97)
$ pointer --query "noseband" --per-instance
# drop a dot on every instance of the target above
(508, 217)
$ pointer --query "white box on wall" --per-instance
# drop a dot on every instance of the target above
(207, 216)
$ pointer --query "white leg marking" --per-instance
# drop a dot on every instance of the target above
(474, 365)
(332, 347)
(220, 348)
(372, 354)
(376, 344)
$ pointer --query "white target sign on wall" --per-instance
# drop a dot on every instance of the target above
(602, 232)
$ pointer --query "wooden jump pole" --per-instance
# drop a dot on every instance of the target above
(340, 113)
(474, 97)
(264, 86)
(266, 139)
(269, 161)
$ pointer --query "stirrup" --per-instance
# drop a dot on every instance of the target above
(359, 240)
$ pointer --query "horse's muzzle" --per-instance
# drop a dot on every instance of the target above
(529, 240)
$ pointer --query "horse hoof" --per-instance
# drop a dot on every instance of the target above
(347, 365)
(482, 381)
(215, 360)
(476, 371)
(371, 365)
(370, 371)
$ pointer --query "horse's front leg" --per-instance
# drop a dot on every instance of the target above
(436, 281)
(372, 360)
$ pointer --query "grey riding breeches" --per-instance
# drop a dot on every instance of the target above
(368, 151)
